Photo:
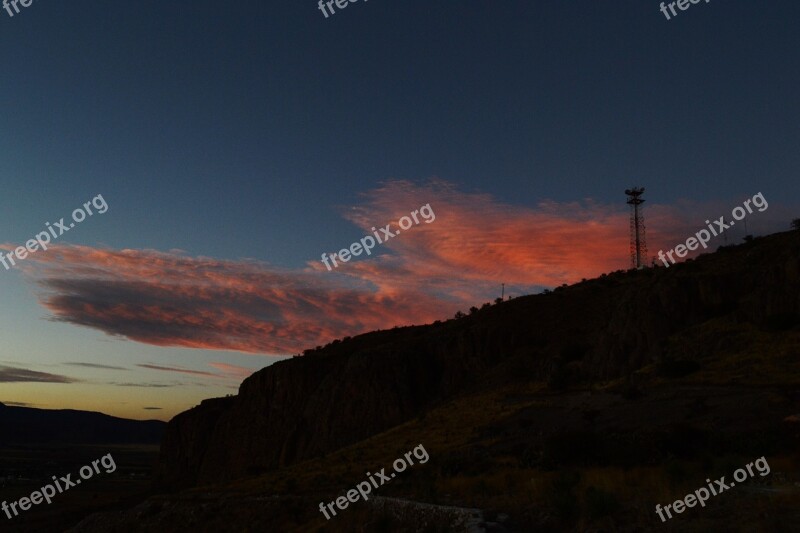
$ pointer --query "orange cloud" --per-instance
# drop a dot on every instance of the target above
(167, 299)
(424, 274)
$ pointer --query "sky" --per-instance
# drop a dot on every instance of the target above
(233, 144)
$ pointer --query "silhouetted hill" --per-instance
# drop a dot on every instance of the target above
(23, 425)
(592, 332)
(576, 410)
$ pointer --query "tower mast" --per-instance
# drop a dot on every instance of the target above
(638, 240)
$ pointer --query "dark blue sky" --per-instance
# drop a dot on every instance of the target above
(244, 129)
(208, 125)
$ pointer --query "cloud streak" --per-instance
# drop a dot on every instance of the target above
(93, 365)
(180, 370)
(145, 385)
(21, 375)
(427, 273)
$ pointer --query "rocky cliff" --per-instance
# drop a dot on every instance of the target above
(597, 329)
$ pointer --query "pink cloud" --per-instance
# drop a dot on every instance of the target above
(426, 273)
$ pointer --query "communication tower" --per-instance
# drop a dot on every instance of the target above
(638, 241)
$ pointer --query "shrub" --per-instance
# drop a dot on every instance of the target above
(781, 321)
(480, 487)
(384, 523)
(574, 447)
(600, 503)
(559, 377)
(631, 392)
(677, 368)
(684, 441)
(562, 495)
(573, 352)
(796, 224)
(675, 473)
(530, 457)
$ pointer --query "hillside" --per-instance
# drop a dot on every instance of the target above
(582, 407)
(24, 425)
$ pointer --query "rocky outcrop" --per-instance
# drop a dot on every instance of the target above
(599, 329)
(188, 439)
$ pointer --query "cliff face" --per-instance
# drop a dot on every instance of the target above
(600, 329)
(311, 405)
(187, 440)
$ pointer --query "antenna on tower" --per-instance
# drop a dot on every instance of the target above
(638, 241)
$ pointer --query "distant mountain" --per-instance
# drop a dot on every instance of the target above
(23, 425)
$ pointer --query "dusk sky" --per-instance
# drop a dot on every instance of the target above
(236, 142)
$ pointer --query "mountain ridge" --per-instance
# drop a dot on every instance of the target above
(601, 329)
(28, 425)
